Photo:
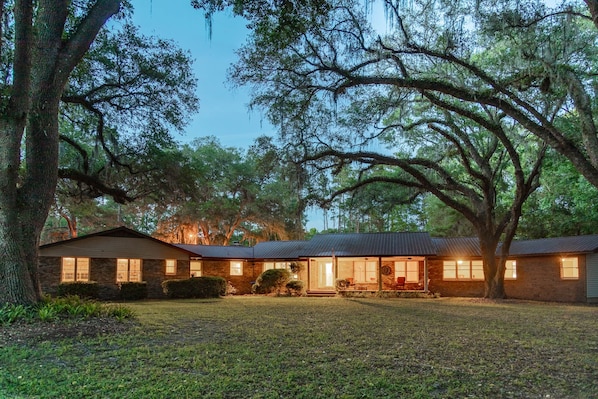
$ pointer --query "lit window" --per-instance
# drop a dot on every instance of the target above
(277, 265)
(365, 272)
(75, 269)
(128, 270)
(407, 269)
(569, 269)
(170, 266)
(195, 268)
(511, 270)
(236, 268)
(463, 270)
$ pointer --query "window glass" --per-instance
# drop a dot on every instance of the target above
(134, 269)
(412, 272)
(569, 268)
(463, 270)
(371, 271)
(122, 270)
(236, 268)
(68, 269)
(449, 270)
(477, 270)
(511, 270)
(195, 268)
(170, 266)
(82, 269)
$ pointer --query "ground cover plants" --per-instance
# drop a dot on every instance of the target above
(283, 347)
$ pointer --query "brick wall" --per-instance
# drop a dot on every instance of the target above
(539, 278)
(103, 271)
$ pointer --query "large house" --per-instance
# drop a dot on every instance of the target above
(554, 269)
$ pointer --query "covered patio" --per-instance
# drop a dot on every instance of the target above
(374, 262)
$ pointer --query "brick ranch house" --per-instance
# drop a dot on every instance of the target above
(553, 269)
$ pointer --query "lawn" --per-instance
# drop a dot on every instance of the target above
(267, 347)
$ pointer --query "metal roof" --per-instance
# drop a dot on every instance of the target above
(219, 251)
(279, 249)
(559, 245)
(458, 246)
(370, 244)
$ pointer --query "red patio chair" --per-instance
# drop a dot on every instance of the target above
(400, 284)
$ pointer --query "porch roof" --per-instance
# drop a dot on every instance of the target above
(370, 244)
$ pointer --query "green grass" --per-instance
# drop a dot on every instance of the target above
(267, 347)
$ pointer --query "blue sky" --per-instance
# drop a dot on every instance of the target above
(223, 110)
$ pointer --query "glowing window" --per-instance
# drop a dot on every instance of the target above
(569, 269)
(75, 269)
(170, 266)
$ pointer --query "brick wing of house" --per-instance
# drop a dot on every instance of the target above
(554, 269)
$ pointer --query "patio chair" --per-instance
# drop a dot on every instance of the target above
(400, 284)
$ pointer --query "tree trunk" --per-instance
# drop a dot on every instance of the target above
(43, 63)
(494, 271)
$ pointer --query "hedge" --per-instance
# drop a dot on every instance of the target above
(131, 291)
(82, 289)
(195, 287)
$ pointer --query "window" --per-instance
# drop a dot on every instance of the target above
(511, 270)
(236, 268)
(463, 270)
(277, 265)
(366, 272)
(75, 269)
(569, 269)
(195, 268)
(407, 269)
(170, 266)
(128, 270)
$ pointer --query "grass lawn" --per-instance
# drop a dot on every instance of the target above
(266, 347)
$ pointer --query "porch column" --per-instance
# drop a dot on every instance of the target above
(426, 274)
(379, 274)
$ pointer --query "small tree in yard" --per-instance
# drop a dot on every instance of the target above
(272, 280)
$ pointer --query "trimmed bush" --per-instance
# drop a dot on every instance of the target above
(131, 291)
(82, 289)
(295, 287)
(195, 287)
(272, 280)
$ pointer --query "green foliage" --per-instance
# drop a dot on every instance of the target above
(68, 307)
(133, 290)
(295, 288)
(83, 289)
(195, 287)
(10, 313)
(272, 280)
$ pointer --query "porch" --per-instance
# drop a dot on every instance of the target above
(367, 275)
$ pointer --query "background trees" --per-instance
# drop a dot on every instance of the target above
(484, 77)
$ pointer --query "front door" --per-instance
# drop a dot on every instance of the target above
(325, 274)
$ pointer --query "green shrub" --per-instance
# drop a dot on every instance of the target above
(195, 287)
(82, 289)
(130, 291)
(296, 287)
(272, 280)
